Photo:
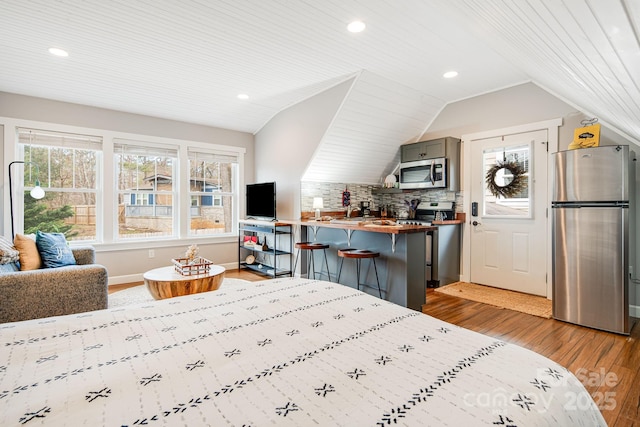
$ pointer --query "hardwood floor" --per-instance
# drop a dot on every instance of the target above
(607, 364)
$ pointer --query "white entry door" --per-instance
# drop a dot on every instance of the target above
(508, 235)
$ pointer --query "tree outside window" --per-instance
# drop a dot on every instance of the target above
(68, 167)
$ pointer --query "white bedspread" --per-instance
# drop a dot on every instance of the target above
(285, 352)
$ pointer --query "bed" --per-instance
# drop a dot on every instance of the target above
(284, 352)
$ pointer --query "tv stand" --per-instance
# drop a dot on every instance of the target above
(272, 259)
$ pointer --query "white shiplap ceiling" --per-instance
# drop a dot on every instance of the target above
(187, 60)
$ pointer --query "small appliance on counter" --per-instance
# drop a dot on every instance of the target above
(365, 208)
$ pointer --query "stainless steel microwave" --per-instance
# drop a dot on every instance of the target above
(430, 173)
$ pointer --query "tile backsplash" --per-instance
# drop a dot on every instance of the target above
(331, 194)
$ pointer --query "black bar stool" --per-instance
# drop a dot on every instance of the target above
(311, 266)
(359, 255)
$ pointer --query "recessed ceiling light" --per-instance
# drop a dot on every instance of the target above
(356, 26)
(243, 96)
(58, 52)
(450, 74)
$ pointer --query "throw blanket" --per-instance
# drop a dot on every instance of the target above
(285, 352)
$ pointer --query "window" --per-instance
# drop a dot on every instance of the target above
(146, 189)
(68, 169)
(212, 187)
(519, 204)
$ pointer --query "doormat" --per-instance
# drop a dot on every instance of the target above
(140, 294)
(511, 300)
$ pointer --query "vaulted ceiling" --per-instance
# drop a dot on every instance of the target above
(188, 60)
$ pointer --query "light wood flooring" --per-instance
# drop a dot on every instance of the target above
(608, 364)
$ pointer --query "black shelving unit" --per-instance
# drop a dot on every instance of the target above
(274, 261)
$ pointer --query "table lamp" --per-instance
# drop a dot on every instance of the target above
(317, 205)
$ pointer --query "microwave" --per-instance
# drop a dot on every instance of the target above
(430, 173)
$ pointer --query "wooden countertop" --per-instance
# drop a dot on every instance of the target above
(362, 226)
(448, 222)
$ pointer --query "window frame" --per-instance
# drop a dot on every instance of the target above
(106, 195)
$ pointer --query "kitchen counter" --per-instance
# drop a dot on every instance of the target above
(362, 225)
(401, 265)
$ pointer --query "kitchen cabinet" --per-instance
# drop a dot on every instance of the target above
(423, 150)
(273, 260)
(447, 147)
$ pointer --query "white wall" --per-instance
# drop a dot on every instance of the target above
(128, 265)
(286, 144)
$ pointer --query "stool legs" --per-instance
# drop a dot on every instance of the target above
(358, 255)
(311, 264)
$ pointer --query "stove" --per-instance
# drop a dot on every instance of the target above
(442, 254)
(435, 211)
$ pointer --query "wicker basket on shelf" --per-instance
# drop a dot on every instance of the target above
(186, 267)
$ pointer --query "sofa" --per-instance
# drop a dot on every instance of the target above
(49, 292)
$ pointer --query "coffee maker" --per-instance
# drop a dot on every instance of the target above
(365, 208)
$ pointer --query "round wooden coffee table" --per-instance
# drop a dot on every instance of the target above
(166, 282)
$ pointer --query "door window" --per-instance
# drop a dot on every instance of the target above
(507, 189)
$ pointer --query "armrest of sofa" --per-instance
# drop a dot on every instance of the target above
(84, 255)
(52, 292)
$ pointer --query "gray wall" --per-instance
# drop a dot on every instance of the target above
(128, 265)
(286, 144)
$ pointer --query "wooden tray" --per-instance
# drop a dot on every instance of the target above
(198, 266)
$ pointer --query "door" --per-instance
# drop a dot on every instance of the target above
(508, 237)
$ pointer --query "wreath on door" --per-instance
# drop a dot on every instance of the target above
(517, 184)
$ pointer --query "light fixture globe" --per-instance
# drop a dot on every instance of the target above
(37, 192)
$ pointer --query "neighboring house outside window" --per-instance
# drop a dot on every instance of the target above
(146, 191)
(150, 184)
(213, 189)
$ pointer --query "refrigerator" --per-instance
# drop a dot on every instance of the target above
(593, 223)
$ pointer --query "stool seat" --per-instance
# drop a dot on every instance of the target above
(311, 265)
(311, 246)
(357, 253)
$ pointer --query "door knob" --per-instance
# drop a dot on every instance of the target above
(474, 223)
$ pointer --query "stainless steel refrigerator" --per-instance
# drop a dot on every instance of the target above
(593, 217)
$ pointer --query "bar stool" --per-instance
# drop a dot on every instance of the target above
(359, 255)
(311, 266)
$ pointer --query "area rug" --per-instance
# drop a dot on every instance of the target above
(140, 294)
(517, 301)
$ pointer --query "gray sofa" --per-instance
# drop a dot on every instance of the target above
(54, 291)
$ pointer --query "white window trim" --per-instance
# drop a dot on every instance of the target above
(106, 226)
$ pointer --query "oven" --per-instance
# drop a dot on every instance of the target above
(442, 260)
(430, 173)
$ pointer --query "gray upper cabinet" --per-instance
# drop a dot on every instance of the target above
(425, 150)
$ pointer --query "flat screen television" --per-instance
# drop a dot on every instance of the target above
(261, 200)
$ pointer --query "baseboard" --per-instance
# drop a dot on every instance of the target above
(138, 277)
(634, 311)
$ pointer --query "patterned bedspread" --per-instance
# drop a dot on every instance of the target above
(286, 352)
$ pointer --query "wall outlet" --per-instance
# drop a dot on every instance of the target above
(152, 253)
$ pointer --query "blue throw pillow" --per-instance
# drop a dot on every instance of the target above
(54, 250)
(10, 267)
